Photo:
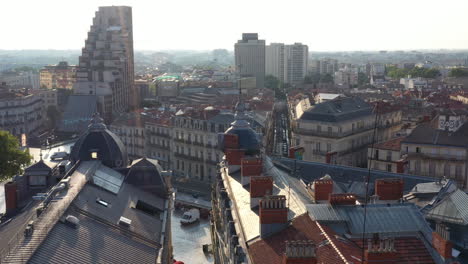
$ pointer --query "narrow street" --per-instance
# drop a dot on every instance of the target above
(281, 129)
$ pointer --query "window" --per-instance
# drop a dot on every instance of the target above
(317, 146)
(389, 167)
(446, 169)
(102, 202)
(418, 150)
(147, 208)
(319, 128)
(376, 154)
(389, 155)
(352, 127)
(328, 147)
(432, 169)
(330, 130)
(417, 167)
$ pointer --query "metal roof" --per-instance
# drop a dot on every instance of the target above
(381, 218)
(92, 242)
(453, 209)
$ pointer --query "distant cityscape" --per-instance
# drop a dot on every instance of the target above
(259, 153)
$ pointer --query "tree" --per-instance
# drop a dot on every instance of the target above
(271, 82)
(53, 115)
(362, 78)
(326, 78)
(12, 158)
(458, 72)
(312, 78)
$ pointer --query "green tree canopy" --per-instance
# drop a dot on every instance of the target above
(12, 158)
(397, 73)
(458, 72)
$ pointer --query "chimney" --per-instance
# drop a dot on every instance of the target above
(234, 156)
(329, 158)
(252, 166)
(342, 199)
(380, 251)
(440, 241)
(273, 214)
(230, 141)
(260, 186)
(299, 252)
(389, 189)
(11, 198)
(401, 164)
(322, 189)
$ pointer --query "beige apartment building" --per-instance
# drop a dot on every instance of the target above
(386, 156)
(60, 76)
(437, 153)
(337, 131)
(131, 130)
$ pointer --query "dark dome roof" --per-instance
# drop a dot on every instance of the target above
(248, 138)
(98, 139)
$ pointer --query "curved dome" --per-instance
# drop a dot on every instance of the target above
(98, 143)
(248, 138)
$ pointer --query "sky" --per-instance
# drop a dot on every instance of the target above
(324, 25)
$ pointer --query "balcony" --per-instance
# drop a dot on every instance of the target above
(154, 133)
(326, 134)
(435, 156)
(187, 157)
(156, 145)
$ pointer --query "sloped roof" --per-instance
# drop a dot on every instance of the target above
(92, 242)
(338, 110)
(309, 171)
(331, 247)
(453, 209)
(426, 134)
(381, 218)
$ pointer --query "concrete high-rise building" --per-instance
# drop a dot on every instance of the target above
(105, 67)
(288, 63)
(295, 63)
(249, 53)
(274, 60)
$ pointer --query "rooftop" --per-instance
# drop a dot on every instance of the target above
(338, 110)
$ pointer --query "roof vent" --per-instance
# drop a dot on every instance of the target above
(72, 221)
(123, 221)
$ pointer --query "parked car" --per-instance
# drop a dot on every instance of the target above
(59, 155)
(190, 217)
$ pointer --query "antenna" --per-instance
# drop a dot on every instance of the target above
(377, 115)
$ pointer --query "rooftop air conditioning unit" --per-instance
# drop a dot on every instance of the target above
(125, 221)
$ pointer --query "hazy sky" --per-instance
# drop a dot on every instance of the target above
(207, 24)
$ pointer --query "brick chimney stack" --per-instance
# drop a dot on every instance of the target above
(250, 166)
(389, 189)
(440, 241)
(273, 214)
(299, 252)
(11, 197)
(380, 251)
(230, 146)
(322, 189)
(260, 186)
(342, 199)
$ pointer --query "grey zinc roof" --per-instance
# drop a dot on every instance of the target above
(426, 134)
(337, 110)
(381, 218)
(310, 171)
(92, 242)
(122, 204)
(453, 209)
